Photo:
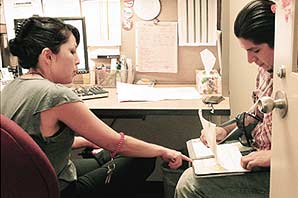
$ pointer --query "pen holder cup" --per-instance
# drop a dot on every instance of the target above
(108, 78)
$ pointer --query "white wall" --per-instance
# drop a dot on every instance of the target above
(225, 27)
(241, 74)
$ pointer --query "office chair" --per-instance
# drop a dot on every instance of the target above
(25, 169)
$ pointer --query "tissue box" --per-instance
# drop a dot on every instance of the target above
(208, 83)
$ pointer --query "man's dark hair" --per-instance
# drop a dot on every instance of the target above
(256, 22)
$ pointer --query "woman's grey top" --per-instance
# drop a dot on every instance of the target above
(23, 100)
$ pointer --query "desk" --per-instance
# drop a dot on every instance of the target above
(110, 107)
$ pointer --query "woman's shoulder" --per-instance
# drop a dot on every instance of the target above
(56, 94)
(60, 90)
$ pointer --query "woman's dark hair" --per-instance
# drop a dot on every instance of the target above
(256, 22)
(36, 33)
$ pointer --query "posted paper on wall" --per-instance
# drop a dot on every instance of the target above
(156, 47)
(19, 9)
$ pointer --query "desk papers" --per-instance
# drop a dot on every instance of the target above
(130, 92)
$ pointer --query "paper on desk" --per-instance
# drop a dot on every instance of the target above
(210, 134)
(131, 92)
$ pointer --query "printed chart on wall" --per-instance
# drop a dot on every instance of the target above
(19, 9)
(156, 47)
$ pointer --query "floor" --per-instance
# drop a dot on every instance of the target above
(152, 189)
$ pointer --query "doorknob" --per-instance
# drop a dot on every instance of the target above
(281, 71)
(266, 104)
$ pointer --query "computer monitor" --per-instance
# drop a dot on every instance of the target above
(79, 23)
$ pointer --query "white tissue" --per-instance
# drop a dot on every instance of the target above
(208, 60)
(113, 64)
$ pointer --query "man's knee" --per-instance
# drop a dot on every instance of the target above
(185, 183)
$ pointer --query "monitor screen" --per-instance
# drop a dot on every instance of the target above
(79, 23)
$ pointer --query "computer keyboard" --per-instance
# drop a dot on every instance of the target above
(90, 92)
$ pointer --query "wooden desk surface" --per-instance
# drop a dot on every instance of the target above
(110, 106)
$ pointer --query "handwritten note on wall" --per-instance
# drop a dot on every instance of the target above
(156, 47)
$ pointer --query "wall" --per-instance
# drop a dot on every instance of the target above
(225, 26)
(188, 57)
(241, 74)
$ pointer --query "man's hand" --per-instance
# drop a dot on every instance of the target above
(256, 159)
(220, 134)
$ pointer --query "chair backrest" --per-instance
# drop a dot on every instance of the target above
(25, 169)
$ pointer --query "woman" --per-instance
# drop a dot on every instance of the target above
(51, 113)
(254, 28)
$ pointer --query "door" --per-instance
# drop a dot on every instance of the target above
(284, 164)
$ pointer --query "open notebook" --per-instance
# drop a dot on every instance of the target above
(215, 159)
(206, 164)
